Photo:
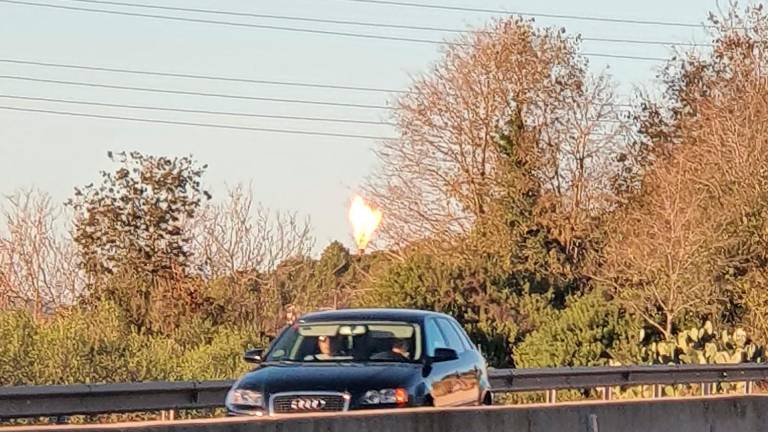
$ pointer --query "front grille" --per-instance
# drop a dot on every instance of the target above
(308, 402)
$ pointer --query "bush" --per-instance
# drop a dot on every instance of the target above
(96, 345)
(79, 346)
(17, 334)
(588, 332)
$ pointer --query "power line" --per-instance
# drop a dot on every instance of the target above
(191, 93)
(361, 23)
(270, 16)
(646, 42)
(210, 125)
(535, 15)
(219, 95)
(194, 111)
(624, 56)
(227, 23)
(196, 76)
(182, 123)
(224, 113)
(293, 29)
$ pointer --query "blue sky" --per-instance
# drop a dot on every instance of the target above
(315, 176)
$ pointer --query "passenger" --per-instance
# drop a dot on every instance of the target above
(399, 352)
(402, 347)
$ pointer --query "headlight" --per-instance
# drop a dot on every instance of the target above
(387, 396)
(243, 397)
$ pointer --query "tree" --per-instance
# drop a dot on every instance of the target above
(238, 238)
(443, 174)
(496, 308)
(38, 269)
(335, 280)
(134, 220)
(694, 227)
(132, 237)
(663, 252)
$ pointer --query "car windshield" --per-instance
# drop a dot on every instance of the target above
(348, 342)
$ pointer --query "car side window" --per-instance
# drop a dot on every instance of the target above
(434, 337)
(463, 335)
(453, 338)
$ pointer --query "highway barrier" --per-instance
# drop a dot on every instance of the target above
(735, 413)
(52, 401)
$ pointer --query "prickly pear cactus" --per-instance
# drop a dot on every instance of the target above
(704, 346)
(697, 346)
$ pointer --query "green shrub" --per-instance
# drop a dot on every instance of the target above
(96, 345)
(585, 333)
(17, 335)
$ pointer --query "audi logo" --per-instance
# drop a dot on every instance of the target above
(303, 404)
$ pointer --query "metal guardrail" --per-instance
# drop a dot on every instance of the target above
(51, 401)
(605, 378)
(62, 400)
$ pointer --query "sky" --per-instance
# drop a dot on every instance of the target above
(315, 176)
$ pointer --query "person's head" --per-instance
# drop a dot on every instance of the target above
(325, 345)
(401, 346)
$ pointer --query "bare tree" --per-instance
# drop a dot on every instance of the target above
(38, 264)
(443, 174)
(663, 252)
(241, 238)
(698, 225)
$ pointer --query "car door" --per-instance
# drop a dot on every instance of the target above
(478, 361)
(441, 375)
(467, 386)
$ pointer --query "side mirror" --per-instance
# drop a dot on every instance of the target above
(254, 355)
(444, 355)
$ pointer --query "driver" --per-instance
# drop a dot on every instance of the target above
(327, 348)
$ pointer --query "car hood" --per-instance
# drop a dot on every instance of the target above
(351, 377)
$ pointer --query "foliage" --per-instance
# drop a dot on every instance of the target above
(704, 345)
(695, 223)
(135, 218)
(590, 331)
(511, 201)
(444, 174)
(96, 346)
(495, 313)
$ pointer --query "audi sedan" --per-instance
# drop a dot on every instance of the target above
(363, 359)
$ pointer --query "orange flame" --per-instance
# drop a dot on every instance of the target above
(365, 220)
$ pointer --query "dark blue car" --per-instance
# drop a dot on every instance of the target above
(363, 359)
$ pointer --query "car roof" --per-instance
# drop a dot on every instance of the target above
(407, 315)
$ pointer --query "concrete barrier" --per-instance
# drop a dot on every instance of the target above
(716, 414)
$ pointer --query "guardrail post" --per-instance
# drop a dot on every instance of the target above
(706, 389)
(657, 391)
(748, 387)
(607, 393)
(551, 396)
